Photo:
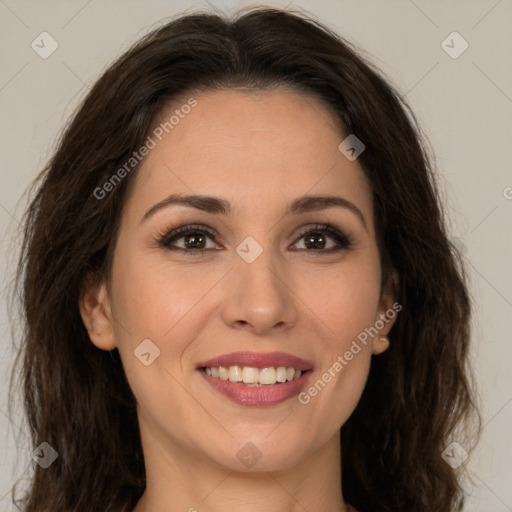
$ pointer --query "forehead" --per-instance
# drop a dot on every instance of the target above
(255, 148)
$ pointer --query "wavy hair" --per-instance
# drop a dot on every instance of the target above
(76, 397)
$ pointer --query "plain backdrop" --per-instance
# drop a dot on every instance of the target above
(463, 102)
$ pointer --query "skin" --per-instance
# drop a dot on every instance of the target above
(259, 150)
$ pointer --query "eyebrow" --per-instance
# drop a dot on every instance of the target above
(220, 206)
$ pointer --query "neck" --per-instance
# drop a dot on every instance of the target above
(179, 480)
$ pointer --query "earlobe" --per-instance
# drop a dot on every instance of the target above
(388, 312)
(380, 344)
(95, 312)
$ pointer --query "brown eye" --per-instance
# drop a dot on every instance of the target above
(194, 241)
(318, 238)
(315, 241)
(194, 238)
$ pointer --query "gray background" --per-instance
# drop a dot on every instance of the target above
(464, 105)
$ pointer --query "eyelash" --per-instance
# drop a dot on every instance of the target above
(165, 240)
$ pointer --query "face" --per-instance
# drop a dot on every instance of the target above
(257, 270)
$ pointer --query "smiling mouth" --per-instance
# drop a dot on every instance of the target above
(254, 377)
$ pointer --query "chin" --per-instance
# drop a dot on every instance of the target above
(258, 454)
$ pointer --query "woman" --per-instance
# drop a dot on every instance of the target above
(238, 289)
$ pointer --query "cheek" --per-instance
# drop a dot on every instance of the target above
(336, 388)
(150, 299)
(347, 304)
(163, 304)
(347, 300)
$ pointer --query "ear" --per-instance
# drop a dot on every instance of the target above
(96, 314)
(387, 314)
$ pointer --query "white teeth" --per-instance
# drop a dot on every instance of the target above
(281, 373)
(250, 375)
(254, 376)
(268, 376)
(235, 374)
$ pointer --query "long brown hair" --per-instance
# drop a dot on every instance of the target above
(77, 398)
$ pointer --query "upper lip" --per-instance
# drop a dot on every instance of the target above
(258, 360)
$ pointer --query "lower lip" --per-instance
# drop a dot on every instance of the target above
(257, 396)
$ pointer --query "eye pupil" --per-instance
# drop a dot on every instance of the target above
(191, 241)
(194, 240)
(310, 241)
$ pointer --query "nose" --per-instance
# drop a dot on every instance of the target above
(259, 296)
